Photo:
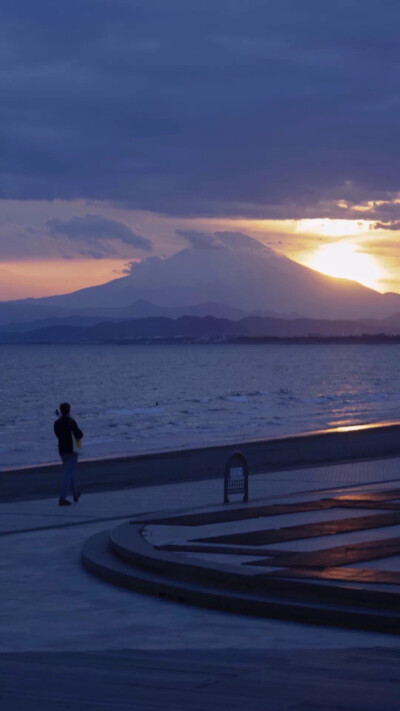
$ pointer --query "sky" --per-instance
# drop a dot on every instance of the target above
(123, 123)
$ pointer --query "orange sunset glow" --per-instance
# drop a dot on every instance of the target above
(37, 278)
(335, 247)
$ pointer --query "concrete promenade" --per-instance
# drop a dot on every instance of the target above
(69, 640)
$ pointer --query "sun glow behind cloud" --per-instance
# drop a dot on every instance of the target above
(333, 228)
(344, 260)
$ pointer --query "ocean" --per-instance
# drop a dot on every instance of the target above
(130, 399)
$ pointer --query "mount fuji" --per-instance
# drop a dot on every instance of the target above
(224, 268)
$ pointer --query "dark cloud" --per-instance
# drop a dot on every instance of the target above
(393, 225)
(92, 228)
(239, 107)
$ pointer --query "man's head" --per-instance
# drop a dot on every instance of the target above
(65, 408)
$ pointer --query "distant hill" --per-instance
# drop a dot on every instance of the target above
(392, 321)
(206, 328)
(17, 317)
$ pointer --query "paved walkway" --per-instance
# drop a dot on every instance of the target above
(345, 680)
(50, 604)
(113, 505)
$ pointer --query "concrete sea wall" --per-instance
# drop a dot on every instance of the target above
(270, 454)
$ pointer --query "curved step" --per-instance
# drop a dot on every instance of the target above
(127, 542)
(98, 558)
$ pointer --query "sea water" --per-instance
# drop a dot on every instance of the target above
(131, 399)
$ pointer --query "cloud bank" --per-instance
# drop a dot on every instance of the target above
(97, 232)
(187, 108)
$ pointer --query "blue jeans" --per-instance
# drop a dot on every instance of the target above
(68, 481)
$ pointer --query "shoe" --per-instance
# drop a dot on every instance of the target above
(77, 497)
(64, 502)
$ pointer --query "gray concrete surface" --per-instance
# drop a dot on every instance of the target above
(71, 641)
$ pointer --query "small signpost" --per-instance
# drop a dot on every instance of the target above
(236, 479)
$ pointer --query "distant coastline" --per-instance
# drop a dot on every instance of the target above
(240, 340)
(204, 329)
(364, 339)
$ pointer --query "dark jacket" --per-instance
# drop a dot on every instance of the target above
(64, 428)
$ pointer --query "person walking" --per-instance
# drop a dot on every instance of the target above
(66, 430)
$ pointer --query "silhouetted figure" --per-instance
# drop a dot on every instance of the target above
(67, 431)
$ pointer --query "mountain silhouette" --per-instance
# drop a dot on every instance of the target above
(233, 270)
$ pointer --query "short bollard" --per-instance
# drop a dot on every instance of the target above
(236, 478)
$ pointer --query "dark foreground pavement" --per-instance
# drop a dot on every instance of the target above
(317, 680)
